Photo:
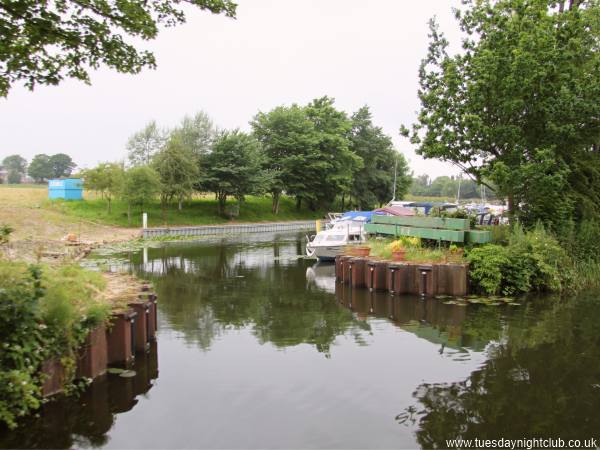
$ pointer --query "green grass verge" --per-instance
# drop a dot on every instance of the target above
(200, 211)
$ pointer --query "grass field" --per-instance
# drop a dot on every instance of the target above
(198, 211)
(28, 209)
(24, 206)
(25, 209)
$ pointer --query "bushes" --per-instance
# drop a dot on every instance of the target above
(22, 344)
(44, 312)
(532, 260)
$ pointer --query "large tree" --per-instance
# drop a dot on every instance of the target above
(40, 168)
(140, 185)
(373, 183)
(330, 162)
(178, 172)
(15, 163)
(106, 179)
(144, 144)
(233, 167)
(62, 165)
(197, 133)
(519, 105)
(16, 166)
(43, 42)
(288, 137)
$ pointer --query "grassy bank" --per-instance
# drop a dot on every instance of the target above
(201, 210)
(198, 211)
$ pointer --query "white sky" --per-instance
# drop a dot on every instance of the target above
(276, 52)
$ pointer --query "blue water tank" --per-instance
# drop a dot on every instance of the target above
(65, 188)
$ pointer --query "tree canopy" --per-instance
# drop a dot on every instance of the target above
(287, 137)
(43, 167)
(373, 183)
(107, 179)
(233, 167)
(177, 170)
(519, 105)
(144, 144)
(44, 42)
(140, 185)
(15, 163)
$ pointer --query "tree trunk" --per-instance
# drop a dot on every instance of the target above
(163, 207)
(109, 208)
(222, 198)
(343, 200)
(276, 197)
(298, 203)
(180, 204)
(129, 213)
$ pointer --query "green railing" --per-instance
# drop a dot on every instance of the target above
(437, 228)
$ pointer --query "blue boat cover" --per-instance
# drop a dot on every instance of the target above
(362, 216)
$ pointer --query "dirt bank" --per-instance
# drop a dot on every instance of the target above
(41, 233)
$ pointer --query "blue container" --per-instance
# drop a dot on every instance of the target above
(65, 188)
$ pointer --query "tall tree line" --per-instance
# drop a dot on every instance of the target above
(449, 186)
(314, 153)
(41, 168)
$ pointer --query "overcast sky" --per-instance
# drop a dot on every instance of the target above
(276, 52)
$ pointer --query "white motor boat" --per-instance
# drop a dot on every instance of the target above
(329, 243)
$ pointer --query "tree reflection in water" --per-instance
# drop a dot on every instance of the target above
(542, 379)
(207, 289)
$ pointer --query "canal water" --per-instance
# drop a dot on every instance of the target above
(258, 348)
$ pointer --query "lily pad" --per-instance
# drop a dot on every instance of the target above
(128, 374)
(115, 370)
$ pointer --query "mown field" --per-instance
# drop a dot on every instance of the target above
(201, 210)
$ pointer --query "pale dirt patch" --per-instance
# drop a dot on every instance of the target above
(20, 207)
(40, 236)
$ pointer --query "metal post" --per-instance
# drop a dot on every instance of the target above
(144, 220)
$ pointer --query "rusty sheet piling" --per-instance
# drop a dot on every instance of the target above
(404, 277)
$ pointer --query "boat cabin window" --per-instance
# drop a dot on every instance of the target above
(353, 237)
(335, 237)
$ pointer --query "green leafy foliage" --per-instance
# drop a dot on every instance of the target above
(15, 163)
(518, 105)
(532, 260)
(144, 144)
(448, 187)
(44, 312)
(106, 179)
(288, 137)
(233, 168)
(373, 181)
(39, 168)
(83, 35)
(178, 172)
(140, 185)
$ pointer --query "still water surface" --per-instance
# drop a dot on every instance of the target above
(258, 348)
